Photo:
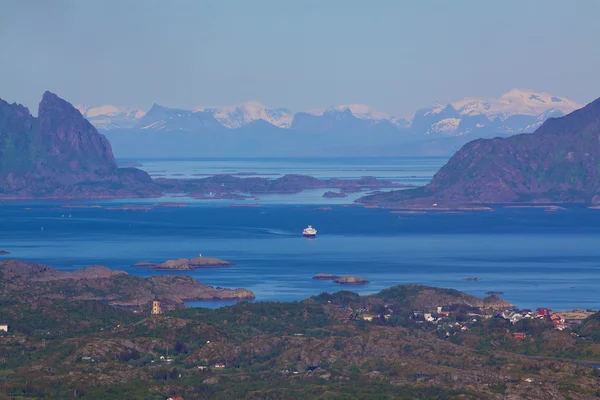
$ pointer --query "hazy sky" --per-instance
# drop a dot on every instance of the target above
(393, 55)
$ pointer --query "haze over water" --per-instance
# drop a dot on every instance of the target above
(535, 257)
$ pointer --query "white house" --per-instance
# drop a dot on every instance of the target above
(3, 328)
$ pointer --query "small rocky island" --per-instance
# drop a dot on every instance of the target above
(342, 280)
(325, 277)
(4, 252)
(185, 264)
(330, 194)
(351, 280)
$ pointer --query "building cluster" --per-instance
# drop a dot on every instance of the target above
(558, 321)
(441, 318)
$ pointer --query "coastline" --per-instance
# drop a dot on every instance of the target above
(268, 265)
(503, 248)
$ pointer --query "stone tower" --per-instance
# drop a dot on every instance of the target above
(156, 306)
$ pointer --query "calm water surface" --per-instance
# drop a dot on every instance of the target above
(536, 258)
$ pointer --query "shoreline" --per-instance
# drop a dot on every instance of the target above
(479, 287)
(265, 227)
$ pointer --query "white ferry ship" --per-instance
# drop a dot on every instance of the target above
(309, 232)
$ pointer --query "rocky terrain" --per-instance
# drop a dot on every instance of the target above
(223, 184)
(113, 287)
(428, 299)
(338, 345)
(350, 280)
(558, 163)
(59, 154)
(185, 264)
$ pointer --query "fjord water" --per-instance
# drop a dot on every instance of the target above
(536, 258)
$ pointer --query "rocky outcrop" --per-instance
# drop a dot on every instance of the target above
(351, 280)
(146, 264)
(74, 150)
(494, 302)
(60, 154)
(331, 194)
(426, 298)
(182, 288)
(113, 287)
(325, 277)
(185, 264)
(559, 162)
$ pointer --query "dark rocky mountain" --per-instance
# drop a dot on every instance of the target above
(425, 119)
(559, 162)
(60, 154)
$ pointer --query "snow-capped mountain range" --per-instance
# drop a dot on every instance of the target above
(514, 103)
(516, 111)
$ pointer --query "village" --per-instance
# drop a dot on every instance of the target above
(456, 319)
(449, 320)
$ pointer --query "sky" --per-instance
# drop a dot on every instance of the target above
(396, 56)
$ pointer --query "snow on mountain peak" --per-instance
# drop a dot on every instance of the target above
(445, 126)
(245, 113)
(515, 101)
(111, 117)
(435, 109)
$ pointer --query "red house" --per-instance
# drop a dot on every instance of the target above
(519, 335)
(543, 312)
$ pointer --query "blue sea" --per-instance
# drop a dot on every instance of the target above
(537, 258)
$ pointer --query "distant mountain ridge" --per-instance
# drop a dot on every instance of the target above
(346, 129)
(243, 114)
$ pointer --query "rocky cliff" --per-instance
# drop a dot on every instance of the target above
(559, 162)
(60, 154)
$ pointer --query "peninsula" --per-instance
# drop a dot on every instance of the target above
(118, 288)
